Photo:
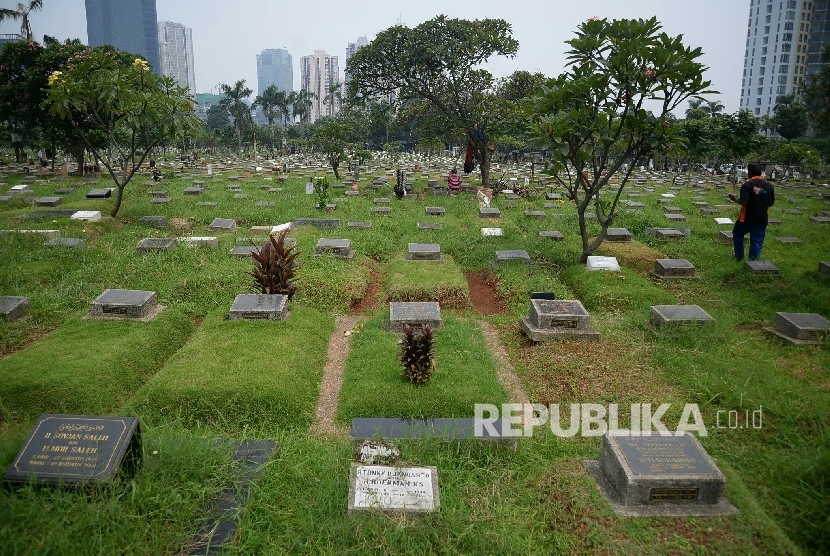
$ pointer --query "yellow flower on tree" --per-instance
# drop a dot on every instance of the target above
(55, 77)
(140, 64)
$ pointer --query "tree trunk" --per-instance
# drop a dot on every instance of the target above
(484, 155)
(118, 199)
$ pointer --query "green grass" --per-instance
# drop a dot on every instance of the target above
(235, 377)
(440, 281)
(374, 385)
(89, 366)
(158, 512)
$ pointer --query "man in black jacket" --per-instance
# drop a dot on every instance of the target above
(757, 195)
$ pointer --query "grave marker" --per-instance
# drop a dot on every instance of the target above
(125, 304)
(620, 235)
(196, 241)
(659, 475)
(68, 242)
(99, 194)
(49, 202)
(87, 215)
(13, 307)
(801, 328)
(678, 315)
(424, 252)
(339, 248)
(252, 306)
(393, 489)
(157, 244)
(318, 222)
(222, 225)
(602, 263)
(76, 449)
(552, 234)
(429, 225)
(434, 211)
(413, 313)
(492, 232)
(553, 319)
(762, 268)
(669, 269)
(512, 255)
(489, 212)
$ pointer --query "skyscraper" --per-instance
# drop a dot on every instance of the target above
(176, 54)
(351, 48)
(318, 73)
(274, 67)
(781, 51)
(129, 25)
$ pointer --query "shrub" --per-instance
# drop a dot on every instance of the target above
(274, 267)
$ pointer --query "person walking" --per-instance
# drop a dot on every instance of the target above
(756, 196)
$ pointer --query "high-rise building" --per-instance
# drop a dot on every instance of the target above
(318, 73)
(274, 66)
(176, 54)
(351, 48)
(784, 40)
(129, 25)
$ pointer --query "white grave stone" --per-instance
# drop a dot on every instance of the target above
(492, 232)
(396, 489)
(723, 221)
(87, 215)
(603, 263)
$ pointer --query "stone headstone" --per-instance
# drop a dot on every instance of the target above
(381, 210)
(340, 248)
(67, 242)
(445, 428)
(49, 202)
(259, 307)
(72, 449)
(553, 319)
(723, 221)
(424, 252)
(512, 255)
(801, 328)
(674, 269)
(359, 225)
(535, 214)
(200, 241)
(434, 211)
(99, 194)
(157, 244)
(22, 188)
(192, 191)
(552, 234)
(675, 217)
(125, 304)
(659, 475)
(381, 201)
(87, 215)
(393, 489)
(243, 250)
(222, 225)
(414, 314)
(788, 239)
(318, 222)
(429, 225)
(763, 268)
(679, 315)
(492, 232)
(160, 200)
(668, 233)
(552, 196)
(618, 235)
(824, 267)
(13, 307)
(820, 219)
(489, 212)
(156, 221)
(596, 262)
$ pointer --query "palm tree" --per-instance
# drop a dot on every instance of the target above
(301, 102)
(269, 102)
(714, 108)
(334, 94)
(234, 103)
(694, 104)
(22, 12)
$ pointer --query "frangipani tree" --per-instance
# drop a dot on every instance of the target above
(611, 107)
(132, 107)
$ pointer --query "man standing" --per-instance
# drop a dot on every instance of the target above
(757, 195)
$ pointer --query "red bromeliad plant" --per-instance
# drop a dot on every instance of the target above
(274, 267)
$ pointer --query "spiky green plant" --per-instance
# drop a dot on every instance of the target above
(416, 354)
(321, 188)
(274, 267)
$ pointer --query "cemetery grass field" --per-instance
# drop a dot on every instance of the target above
(192, 376)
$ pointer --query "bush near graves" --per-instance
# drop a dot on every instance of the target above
(89, 366)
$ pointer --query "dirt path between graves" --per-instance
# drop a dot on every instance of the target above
(338, 350)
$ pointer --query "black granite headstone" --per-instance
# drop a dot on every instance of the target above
(72, 449)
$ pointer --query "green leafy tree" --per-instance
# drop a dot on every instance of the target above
(333, 97)
(301, 103)
(789, 154)
(737, 135)
(437, 62)
(22, 13)
(594, 118)
(234, 103)
(789, 117)
(269, 101)
(132, 107)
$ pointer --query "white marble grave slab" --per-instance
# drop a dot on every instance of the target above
(394, 488)
(603, 263)
(492, 232)
(723, 221)
(87, 215)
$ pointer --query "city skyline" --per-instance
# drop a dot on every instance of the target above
(228, 36)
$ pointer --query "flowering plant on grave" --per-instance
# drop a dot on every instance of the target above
(416, 354)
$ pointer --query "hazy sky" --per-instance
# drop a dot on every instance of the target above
(227, 35)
